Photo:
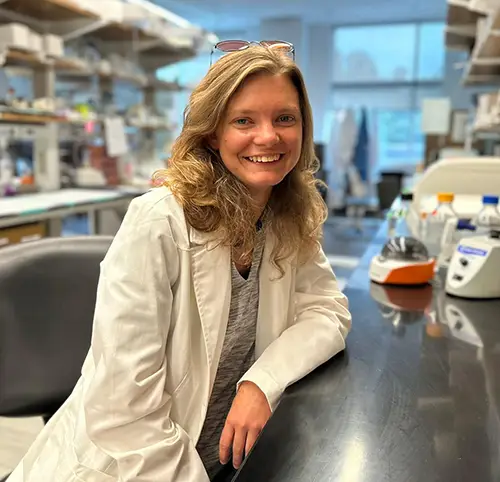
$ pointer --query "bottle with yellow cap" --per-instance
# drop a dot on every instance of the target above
(437, 219)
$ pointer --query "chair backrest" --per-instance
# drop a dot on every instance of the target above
(47, 299)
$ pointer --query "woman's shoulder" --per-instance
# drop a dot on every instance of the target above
(159, 201)
(160, 205)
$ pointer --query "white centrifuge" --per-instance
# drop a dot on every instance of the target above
(474, 270)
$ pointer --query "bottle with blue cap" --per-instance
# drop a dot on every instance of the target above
(489, 217)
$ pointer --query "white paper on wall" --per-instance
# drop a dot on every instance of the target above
(116, 139)
(436, 115)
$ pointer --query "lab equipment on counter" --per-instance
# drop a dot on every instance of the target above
(437, 219)
(454, 231)
(422, 226)
(403, 261)
(397, 215)
(468, 178)
(489, 216)
(474, 270)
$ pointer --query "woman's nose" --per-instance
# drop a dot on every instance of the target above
(267, 136)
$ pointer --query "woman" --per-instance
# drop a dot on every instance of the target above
(213, 298)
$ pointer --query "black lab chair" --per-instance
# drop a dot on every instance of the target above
(47, 299)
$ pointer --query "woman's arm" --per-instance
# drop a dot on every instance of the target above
(322, 322)
(127, 410)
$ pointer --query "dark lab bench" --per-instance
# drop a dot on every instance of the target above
(415, 397)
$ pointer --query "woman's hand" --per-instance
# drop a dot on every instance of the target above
(246, 419)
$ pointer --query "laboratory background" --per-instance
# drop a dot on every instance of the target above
(405, 97)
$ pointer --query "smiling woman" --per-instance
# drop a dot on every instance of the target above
(214, 296)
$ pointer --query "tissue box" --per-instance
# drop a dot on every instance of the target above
(53, 46)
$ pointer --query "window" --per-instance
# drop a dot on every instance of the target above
(399, 139)
(388, 70)
(389, 53)
(375, 53)
(394, 121)
(431, 52)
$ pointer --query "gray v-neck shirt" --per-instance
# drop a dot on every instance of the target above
(238, 354)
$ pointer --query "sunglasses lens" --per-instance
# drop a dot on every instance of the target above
(231, 45)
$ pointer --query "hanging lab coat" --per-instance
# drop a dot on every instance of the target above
(161, 314)
(341, 145)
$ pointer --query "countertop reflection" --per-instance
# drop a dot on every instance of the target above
(415, 397)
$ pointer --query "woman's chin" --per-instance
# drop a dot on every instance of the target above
(262, 187)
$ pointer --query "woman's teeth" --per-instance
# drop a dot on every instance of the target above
(273, 158)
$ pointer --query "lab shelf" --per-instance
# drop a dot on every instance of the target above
(121, 32)
(18, 118)
(459, 13)
(161, 55)
(145, 35)
(19, 58)
(49, 10)
(483, 66)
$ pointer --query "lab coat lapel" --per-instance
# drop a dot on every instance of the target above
(274, 297)
(211, 266)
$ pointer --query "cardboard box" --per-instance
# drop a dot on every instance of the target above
(22, 234)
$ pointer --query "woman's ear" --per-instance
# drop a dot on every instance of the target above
(213, 141)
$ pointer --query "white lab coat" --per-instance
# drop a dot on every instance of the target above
(162, 308)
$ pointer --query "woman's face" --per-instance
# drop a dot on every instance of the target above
(260, 136)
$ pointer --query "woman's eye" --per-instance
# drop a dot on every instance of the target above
(286, 118)
(241, 122)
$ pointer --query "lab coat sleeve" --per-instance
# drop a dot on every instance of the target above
(126, 406)
(321, 324)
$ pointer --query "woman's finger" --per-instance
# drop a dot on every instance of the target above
(239, 441)
(226, 444)
(252, 436)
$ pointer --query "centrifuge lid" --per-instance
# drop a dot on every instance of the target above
(404, 248)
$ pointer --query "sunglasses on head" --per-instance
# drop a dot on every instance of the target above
(227, 46)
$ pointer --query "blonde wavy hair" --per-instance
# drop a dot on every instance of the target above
(213, 199)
